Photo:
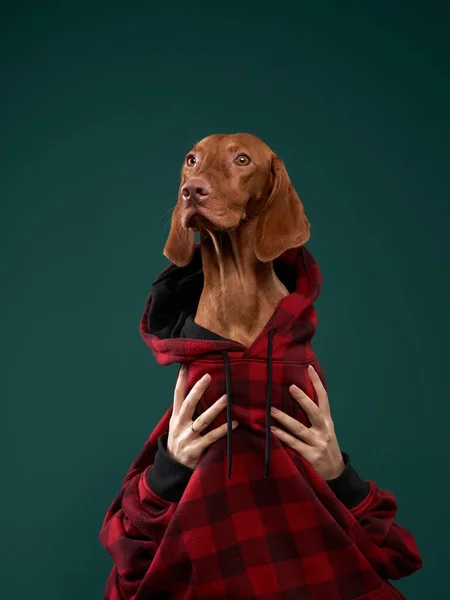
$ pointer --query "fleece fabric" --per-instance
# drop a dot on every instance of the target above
(254, 519)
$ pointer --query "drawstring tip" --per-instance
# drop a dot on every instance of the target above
(266, 472)
(229, 452)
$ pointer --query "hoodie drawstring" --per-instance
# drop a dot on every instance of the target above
(268, 400)
(228, 390)
(226, 359)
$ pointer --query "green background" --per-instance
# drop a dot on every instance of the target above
(99, 103)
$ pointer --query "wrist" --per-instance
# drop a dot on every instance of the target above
(337, 469)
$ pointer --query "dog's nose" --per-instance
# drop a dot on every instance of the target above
(195, 190)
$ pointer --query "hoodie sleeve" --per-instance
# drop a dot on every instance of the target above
(167, 477)
(136, 522)
(349, 487)
(388, 546)
(131, 535)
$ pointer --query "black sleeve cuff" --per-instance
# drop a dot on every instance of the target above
(349, 487)
(167, 477)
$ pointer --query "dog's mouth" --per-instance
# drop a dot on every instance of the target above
(193, 219)
(198, 218)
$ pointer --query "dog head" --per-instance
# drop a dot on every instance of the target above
(228, 180)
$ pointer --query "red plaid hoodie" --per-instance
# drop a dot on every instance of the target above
(253, 519)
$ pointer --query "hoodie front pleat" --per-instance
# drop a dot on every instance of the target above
(228, 391)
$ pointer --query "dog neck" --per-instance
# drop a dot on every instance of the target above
(240, 293)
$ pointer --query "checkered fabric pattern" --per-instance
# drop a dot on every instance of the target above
(282, 537)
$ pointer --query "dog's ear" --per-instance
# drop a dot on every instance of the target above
(282, 223)
(179, 247)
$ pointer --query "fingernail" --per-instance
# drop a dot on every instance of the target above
(205, 377)
(295, 388)
(235, 423)
(310, 367)
(274, 410)
(223, 400)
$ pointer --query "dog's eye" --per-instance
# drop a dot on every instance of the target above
(191, 160)
(242, 160)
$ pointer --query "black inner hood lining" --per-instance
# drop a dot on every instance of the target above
(176, 294)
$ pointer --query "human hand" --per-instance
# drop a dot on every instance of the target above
(183, 444)
(318, 443)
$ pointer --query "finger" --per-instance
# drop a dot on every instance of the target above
(295, 427)
(198, 389)
(209, 438)
(180, 390)
(208, 416)
(322, 395)
(309, 406)
(300, 447)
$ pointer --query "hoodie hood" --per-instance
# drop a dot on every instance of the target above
(168, 322)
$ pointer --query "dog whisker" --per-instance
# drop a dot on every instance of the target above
(164, 214)
(193, 139)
